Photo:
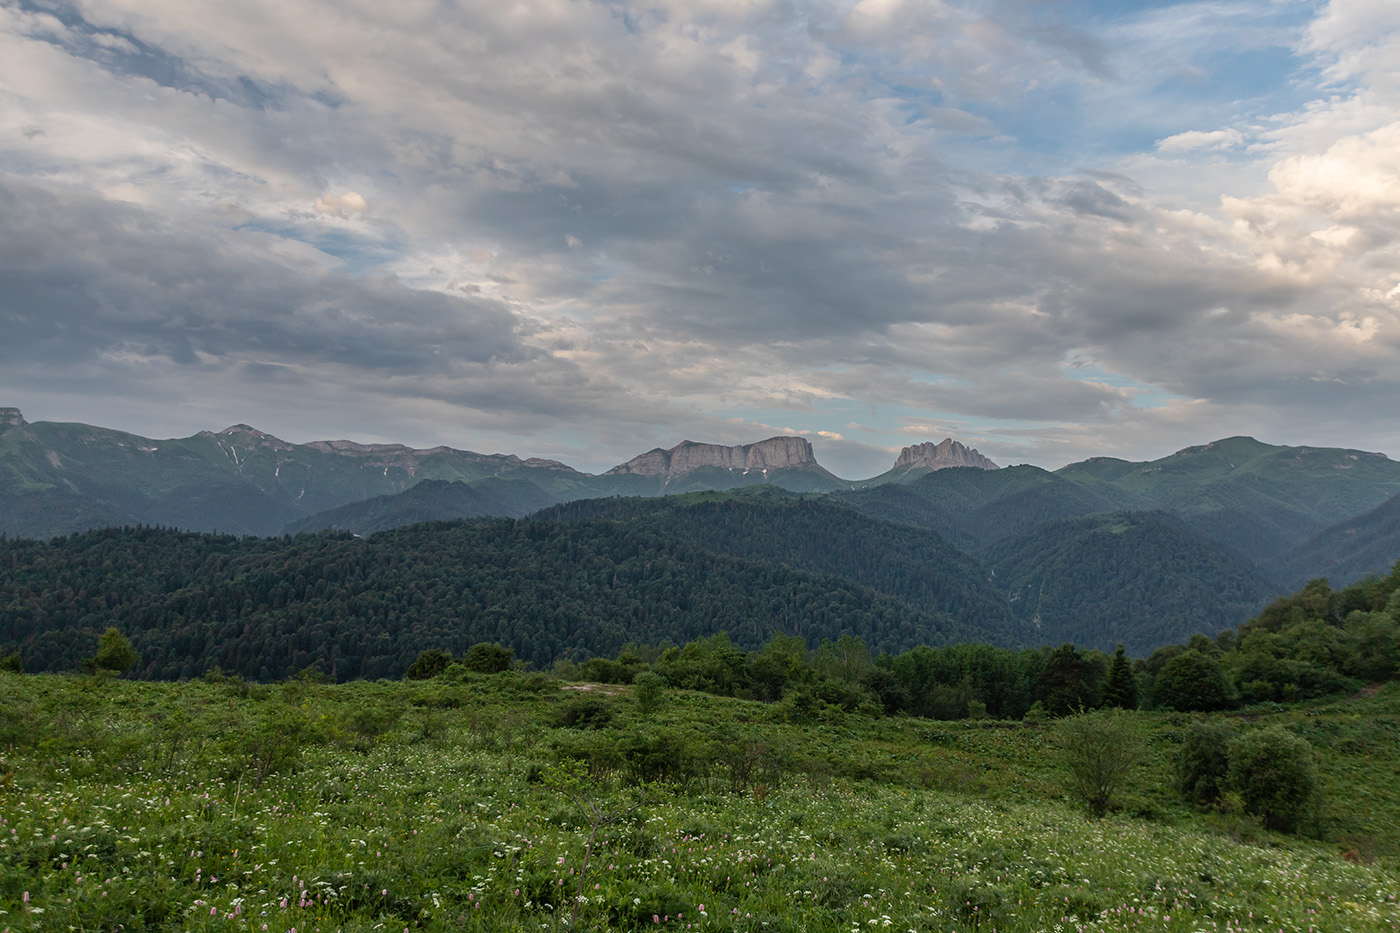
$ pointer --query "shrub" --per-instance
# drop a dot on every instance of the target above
(488, 658)
(648, 687)
(585, 712)
(1204, 763)
(1099, 751)
(1275, 775)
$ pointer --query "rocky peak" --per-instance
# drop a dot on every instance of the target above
(776, 453)
(11, 418)
(946, 453)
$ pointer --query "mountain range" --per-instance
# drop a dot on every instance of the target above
(57, 478)
(945, 546)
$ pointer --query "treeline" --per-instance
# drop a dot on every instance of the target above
(953, 682)
(265, 609)
(1315, 643)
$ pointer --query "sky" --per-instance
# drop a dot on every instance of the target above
(1050, 229)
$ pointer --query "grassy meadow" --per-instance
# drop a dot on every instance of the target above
(510, 803)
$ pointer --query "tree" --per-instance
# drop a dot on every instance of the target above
(1275, 775)
(1067, 682)
(1193, 682)
(114, 654)
(1099, 751)
(1120, 689)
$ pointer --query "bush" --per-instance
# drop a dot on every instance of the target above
(648, 687)
(1099, 751)
(585, 712)
(430, 663)
(1204, 763)
(1275, 775)
(488, 658)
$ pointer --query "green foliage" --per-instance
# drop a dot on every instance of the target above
(1100, 750)
(1120, 688)
(12, 663)
(1068, 682)
(488, 658)
(429, 664)
(1203, 763)
(586, 711)
(366, 608)
(649, 688)
(1193, 682)
(1275, 774)
(115, 655)
(1139, 578)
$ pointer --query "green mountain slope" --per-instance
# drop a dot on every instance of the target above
(1142, 579)
(57, 478)
(431, 500)
(1257, 498)
(973, 508)
(822, 536)
(1349, 550)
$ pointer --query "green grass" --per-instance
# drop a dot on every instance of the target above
(420, 806)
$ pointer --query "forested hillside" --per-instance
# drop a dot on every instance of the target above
(431, 500)
(266, 608)
(820, 536)
(976, 508)
(1141, 579)
(1348, 550)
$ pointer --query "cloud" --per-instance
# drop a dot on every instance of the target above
(1196, 140)
(342, 205)
(615, 224)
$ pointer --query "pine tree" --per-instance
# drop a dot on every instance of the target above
(1120, 687)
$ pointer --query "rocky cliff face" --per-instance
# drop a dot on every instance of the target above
(11, 418)
(776, 453)
(947, 453)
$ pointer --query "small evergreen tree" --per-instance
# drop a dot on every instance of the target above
(1120, 687)
(114, 654)
(1067, 682)
(648, 687)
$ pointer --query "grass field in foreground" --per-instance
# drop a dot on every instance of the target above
(433, 806)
